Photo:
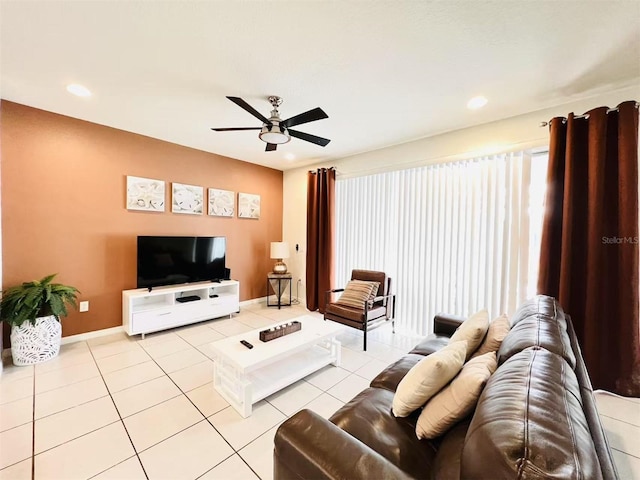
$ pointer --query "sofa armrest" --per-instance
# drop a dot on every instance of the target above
(308, 446)
(445, 324)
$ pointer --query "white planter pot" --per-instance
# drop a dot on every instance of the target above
(31, 344)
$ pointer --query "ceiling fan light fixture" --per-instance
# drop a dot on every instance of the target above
(276, 135)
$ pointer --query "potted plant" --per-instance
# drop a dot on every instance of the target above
(33, 310)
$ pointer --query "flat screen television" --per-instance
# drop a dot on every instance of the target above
(174, 260)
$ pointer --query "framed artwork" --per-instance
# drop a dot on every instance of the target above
(222, 203)
(187, 199)
(145, 194)
(248, 205)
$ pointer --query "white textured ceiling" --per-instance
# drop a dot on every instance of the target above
(386, 72)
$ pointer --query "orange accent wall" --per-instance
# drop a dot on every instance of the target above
(63, 208)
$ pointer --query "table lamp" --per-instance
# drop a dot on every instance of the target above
(279, 250)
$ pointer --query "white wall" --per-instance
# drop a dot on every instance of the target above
(512, 133)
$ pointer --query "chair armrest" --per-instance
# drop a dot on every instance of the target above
(444, 324)
(382, 297)
(308, 446)
(327, 295)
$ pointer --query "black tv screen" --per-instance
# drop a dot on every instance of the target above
(174, 260)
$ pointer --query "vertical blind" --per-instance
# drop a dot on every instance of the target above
(454, 237)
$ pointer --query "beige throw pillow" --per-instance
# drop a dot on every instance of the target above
(473, 330)
(457, 399)
(427, 377)
(357, 292)
(498, 330)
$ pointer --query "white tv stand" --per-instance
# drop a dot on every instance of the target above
(145, 311)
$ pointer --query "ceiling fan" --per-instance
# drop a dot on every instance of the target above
(275, 131)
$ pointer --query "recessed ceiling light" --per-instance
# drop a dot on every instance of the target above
(290, 156)
(477, 102)
(78, 90)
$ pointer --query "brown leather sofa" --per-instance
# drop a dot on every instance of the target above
(536, 418)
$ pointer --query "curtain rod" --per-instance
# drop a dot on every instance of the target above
(586, 115)
(323, 168)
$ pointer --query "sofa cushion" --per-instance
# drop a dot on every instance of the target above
(529, 423)
(431, 344)
(539, 322)
(498, 330)
(368, 418)
(427, 378)
(540, 304)
(458, 399)
(390, 377)
(473, 330)
(356, 293)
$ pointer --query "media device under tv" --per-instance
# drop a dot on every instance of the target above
(189, 298)
(175, 260)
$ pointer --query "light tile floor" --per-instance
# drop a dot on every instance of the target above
(125, 408)
(620, 417)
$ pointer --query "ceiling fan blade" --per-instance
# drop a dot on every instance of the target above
(235, 128)
(306, 117)
(310, 138)
(244, 105)
(270, 147)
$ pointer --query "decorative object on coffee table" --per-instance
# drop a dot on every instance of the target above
(280, 331)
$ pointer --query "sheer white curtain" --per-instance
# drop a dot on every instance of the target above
(454, 237)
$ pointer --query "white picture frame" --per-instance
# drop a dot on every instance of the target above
(145, 194)
(187, 199)
(222, 203)
(248, 205)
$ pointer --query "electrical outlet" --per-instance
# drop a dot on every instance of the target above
(84, 306)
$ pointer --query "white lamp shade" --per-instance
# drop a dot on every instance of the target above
(279, 250)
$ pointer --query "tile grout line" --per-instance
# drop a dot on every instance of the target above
(121, 421)
(625, 453)
(619, 420)
(196, 407)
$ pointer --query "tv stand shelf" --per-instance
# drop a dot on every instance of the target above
(145, 311)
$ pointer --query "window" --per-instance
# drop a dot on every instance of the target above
(454, 237)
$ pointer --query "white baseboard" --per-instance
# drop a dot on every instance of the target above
(253, 300)
(81, 337)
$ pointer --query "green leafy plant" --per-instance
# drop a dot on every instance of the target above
(38, 298)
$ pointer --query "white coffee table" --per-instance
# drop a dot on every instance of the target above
(245, 376)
